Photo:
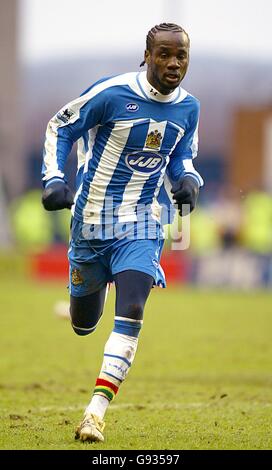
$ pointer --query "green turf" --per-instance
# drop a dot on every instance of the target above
(201, 378)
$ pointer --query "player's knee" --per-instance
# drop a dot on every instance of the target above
(84, 316)
(85, 313)
(81, 323)
(83, 330)
(83, 326)
(135, 311)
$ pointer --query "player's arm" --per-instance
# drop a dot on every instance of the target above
(65, 128)
(185, 180)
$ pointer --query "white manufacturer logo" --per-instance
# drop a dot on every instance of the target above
(132, 107)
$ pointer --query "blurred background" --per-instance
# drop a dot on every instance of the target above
(52, 51)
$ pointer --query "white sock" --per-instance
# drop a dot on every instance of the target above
(119, 353)
(98, 406)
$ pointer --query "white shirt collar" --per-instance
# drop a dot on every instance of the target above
(151, 93)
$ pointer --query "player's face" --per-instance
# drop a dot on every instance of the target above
(168, 60)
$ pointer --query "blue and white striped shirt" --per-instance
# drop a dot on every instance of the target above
(133, 143)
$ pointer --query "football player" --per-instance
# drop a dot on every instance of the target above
(137, 136)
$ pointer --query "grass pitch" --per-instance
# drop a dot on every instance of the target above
(201, 378)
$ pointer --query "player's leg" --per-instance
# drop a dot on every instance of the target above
(86, 311)
(62, 307)
(132, 290)
(88, 286)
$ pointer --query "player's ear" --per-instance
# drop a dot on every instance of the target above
(147, 57)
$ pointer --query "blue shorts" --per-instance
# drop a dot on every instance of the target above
(93, 263)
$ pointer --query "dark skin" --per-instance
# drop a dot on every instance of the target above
(167, 61)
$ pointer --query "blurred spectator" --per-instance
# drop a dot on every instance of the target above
(256, 232)
(33, 228)
(205, 237)
(226, 211)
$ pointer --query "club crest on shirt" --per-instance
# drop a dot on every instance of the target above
(76, 277)
(153, 140)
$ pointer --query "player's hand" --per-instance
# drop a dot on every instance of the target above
(185, 191)
(57, 196)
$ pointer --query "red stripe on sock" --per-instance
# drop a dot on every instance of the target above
(107, 384)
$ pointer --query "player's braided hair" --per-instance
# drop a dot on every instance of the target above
(161, 27)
